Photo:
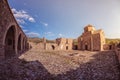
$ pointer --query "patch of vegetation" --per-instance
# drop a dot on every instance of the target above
(35, 40)
(50, 41)
(40, 40)
(75, 41)
(112, 41)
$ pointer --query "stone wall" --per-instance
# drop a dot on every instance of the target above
(64, 43)
(109, 47)
(7, 25)
(59, 44)
(117, 50)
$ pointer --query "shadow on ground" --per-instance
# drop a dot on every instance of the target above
(103, 67)
(92, 70)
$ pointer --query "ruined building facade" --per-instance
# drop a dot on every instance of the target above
(64, 43)
(59, 44)
(13, 41)
(91, 39)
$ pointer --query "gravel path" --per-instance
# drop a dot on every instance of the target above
(61, 65)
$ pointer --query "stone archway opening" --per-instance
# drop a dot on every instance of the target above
(110, 47)
(23, 44)
(10, 42)
(19, 47)
(53, 47)
(86, 47)
(66, 47)
(75, 47)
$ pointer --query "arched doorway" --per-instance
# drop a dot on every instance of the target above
(75, 47)
(86, 47)
(66, 47)
(53, 47)
(10, 42)
(19, 44)
(23, 44)
(110, 47)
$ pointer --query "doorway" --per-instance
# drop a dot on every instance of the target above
(66, 47)
(86, 47)
(10, 42)
(53, 47)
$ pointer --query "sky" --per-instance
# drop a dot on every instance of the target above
(66, 18)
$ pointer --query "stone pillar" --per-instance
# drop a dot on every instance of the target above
(80, 43)
(44, 43)
(91, 43)
(2, 51)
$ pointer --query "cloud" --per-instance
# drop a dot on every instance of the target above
(31, 19)
(21, 26)
(25, 31)
(45, 24)
(21, 21)
(60, 35)
(49, 34)
(22, 15)
(32, 34)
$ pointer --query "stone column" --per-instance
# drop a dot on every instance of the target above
(44, 43)
(91, 43)
(2, 51)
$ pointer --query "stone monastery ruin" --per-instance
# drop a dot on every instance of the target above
(13, 40)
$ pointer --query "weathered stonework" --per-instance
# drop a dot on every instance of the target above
(12, 39)
(60, 44)
(109, 47)
(117, 51)
(91, 39)
(64, 44)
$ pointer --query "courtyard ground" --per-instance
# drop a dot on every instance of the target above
(61, 65)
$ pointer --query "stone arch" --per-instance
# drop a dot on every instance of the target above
(66, 47)
(23, 44)
(8, 27)
(19, 46)
(53, 47)
(10, 39)
(86, 46)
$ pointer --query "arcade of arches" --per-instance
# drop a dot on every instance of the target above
(13, 40)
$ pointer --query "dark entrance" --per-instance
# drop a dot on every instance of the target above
(23, 44)
(19, 44)
(110, 47)
(10, 43)
(86, 47)
(66, 47)
(75, 47)
(53, 47)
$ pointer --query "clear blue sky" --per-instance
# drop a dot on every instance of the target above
(66, 18)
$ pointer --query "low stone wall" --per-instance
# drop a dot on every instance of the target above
(117, 51)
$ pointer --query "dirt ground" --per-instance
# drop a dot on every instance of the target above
(61, 65)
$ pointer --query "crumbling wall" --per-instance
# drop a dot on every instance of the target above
(60, 44)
